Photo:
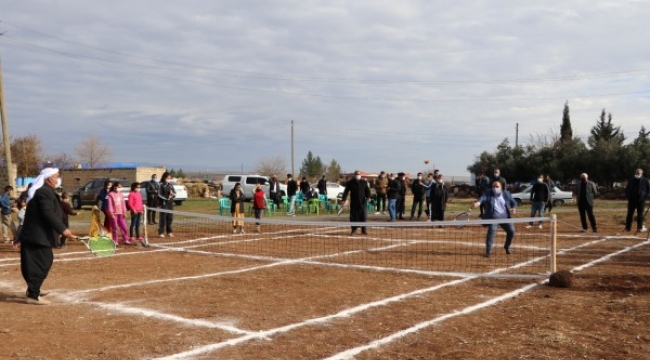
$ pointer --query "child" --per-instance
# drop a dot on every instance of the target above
(117, 211)
(137, 208)
(67, 211)
(259, 204)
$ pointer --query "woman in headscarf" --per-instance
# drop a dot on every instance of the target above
(237, 201)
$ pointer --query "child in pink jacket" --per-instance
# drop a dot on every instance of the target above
(117, 208)
(137, 209)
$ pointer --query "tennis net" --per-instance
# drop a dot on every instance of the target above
(445, 248)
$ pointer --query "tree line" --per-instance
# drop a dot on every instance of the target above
(605, 156)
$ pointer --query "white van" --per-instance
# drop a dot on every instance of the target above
(248, 183)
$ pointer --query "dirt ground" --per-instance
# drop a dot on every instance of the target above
(150, 303)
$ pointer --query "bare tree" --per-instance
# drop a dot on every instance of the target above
(92, 151)
(61, 160)
(272, 165)
(27, 154)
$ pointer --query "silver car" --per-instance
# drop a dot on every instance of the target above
(558, 196)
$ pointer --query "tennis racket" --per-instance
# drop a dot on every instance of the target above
(98, 245)
(462, 218)
(342, 207)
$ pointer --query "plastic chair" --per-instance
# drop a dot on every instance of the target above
(300, 199)
(370, 206)
(323, 200)
(313, 205)
(224, 203)
(285, 201)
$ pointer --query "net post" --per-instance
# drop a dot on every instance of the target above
(144, 223)
(553, 243)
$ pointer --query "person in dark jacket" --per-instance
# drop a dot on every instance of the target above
(322, 186)
(401, 200)
(237, 203)
(274, 191)
(67, 210)
(102, 204)
(499, 204)
(393, 194)
(438, 195)
(292, 189)
(359, 192)
(152, 199)
(42, 226)
(585, 191)
(418, 189)
(539, 196)
(636, 191)
(166, 200)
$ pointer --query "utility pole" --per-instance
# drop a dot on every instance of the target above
(11, 170)
(293, 173)
(517, 135)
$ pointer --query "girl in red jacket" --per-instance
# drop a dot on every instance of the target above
(259, 204)
(117, 209)
(137, 209)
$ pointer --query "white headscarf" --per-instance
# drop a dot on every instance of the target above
(40, 180)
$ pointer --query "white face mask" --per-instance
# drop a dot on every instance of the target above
(357, 177)
(540, 180)
(419, 177)
(637, 176)
(496, 175)
(497, 191)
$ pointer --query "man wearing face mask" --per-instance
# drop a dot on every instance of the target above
(381, 186)
(585, 191)
(636, 191)
(539, 196)
(418, 189)
(152, 199)
(438, 196)
(359, 192)
(42, 226)
(501, 179)
(499, 204)
(393, 194)
(401, 200)
(166, 199)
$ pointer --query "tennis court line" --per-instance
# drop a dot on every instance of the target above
(350, 353)
(324, 319)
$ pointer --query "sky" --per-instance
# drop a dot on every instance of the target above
(375, 85)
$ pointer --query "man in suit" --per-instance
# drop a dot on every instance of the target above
(585, 191)
(499, 204)
(41, 229)
(152, 199)
(636, 191)
(359, 191)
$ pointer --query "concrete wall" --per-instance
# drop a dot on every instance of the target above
(73, 178)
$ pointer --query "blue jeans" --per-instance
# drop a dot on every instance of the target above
(392, 208)
(535, 207)
(135, 224)
(492, 229)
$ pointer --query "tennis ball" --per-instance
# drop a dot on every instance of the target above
(426, 161)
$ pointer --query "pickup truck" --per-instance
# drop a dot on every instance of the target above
(87, 194)
(248, 183)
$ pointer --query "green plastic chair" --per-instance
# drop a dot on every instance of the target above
(313, 205)
(224, 203)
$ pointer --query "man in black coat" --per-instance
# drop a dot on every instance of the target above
(636, 191)
(359, 194)
(41, 229)
(417, 188)
(585, 191)
(152, 199)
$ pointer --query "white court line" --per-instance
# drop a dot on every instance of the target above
(350, 353)
(342, 314)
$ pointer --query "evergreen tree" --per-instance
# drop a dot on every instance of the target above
(180, 174)
(566, 133)
(604, 130)
(312, 167)
(333, 172)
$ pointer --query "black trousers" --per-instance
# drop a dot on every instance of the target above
(165, 219)
(381, 202)
(632, 206)
(358, 215)
(589, 210)
(401, 206)
(35, 264)
(417, 202)
(151, 215)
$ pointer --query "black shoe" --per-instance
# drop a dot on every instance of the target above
(487, 255)
(353, 232)
(364, 232)
(411, 219)
(508, 251)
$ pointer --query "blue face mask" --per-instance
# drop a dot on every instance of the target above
(496, 191)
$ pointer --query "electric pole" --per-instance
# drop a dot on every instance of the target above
(293, 173)
(517, 135)
(11, 171)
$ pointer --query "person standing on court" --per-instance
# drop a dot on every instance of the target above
(359, 192)
(42, 226)
(401, 200)
(274, 191)
(322, 186)
(381, 185)
(292, 189)
(499, 204)
(237, 203)
(394, 186)
(166, 201)
(418, 189)
(551, 185)
(539, 196)
(585, 191)
(636, 191)
(152, 199)
(102, 204)
(438, 198)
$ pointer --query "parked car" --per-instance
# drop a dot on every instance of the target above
(248, 183)
(87, 194)
(179, 190)
(334, 190)
(558, 196)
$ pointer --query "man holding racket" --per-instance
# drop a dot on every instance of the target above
(359, 194)
(41, 228)
(499, 204)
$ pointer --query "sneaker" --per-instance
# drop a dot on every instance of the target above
(170, 235)
(508, 251)
(529, 226)
(383, 213)
(257, 228)
(128, 242)
(39, 301)
(584, 230)
(377, 213)
(643, 229)
(241, 231)
(140, 238)
(161, 235)
(539, 226)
